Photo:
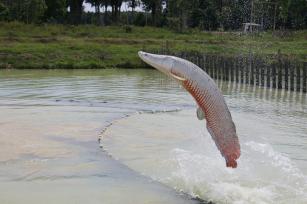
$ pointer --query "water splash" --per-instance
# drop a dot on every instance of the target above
(181, 154)
(264, 176)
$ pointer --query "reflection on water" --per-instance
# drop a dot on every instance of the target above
(50, 122)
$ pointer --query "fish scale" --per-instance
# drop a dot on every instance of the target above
(208, 97)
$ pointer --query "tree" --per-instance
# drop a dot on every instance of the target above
(4, 12)
(193, 13)
(35, 10)
(106, 4)
(133, 4)
(232, 15)
(179, 12)
(116, 5)
(28, 11)
(75, 12)
(297, 14)
(205, 15)
(56, 10)
(96, 4)
(155, 6)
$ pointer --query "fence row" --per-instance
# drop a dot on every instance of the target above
(280, 73)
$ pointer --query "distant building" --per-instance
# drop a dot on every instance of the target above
(251, 27)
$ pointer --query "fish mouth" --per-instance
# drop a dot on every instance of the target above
(163, 63)
(142, 55)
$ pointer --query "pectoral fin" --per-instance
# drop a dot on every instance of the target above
(200, 114)
(177, 77)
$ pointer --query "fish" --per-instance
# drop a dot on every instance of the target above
(211, 103)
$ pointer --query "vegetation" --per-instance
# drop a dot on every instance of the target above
(89, 46)
(59, 34)
(177, 14)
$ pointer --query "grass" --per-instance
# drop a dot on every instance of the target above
(63, 46)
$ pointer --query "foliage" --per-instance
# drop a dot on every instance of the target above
(28, 11)
(297, 14)
(56, 11)
(88, 46)
(155, 6)
(4, 12)
(179, 15)
(35, 10)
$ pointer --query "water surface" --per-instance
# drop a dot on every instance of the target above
(153, 147)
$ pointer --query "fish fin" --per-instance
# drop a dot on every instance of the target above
(210, 131)
(200, 114)
(230, 159)
(177, 77)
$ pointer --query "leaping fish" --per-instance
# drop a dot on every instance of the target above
(211, 103)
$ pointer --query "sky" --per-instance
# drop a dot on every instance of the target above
(88, 7)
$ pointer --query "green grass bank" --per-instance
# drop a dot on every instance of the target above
(87, 46)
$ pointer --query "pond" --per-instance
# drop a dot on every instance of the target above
(152, 148)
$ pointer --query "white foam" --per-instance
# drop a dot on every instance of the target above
(185, 157)
(263, 176)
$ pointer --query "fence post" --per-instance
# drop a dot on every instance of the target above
(268, 76)
(237, 69)
(214, 66)
(291, 77)
(286, 67)
(198, 60)
(251, 61)
(257, 71)
(298, 78)
(226, 69)
(261, 73)
(304, 77)
(223, 68)
(241, 66)
(279, 73)
(231, 69)
(246, 69)
(204, 63)
(210, 66)
(282, 73)
(220, 65)
(274, 75)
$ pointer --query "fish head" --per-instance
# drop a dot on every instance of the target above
(169, 65)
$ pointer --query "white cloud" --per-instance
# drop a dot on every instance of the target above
(89, 8)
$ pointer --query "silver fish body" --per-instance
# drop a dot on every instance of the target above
(208, 97)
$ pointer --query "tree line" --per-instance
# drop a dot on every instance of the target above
(175, 14)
